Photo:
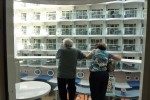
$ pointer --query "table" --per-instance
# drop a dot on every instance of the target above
(31, 90)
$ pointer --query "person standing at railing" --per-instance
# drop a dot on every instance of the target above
(99, 75)
(66, 72)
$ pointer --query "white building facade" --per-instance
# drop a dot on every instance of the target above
(39, 31)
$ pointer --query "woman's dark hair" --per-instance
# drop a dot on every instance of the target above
(101, 46)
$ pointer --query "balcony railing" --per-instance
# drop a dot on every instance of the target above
(96, 31)
(114, 14)
(131, 66)
(113, 47)
(114, 31)
(96, 14)
(50, 46)
(48, 62)
(80, 46)
(129, 31)
(66, 31)
(80, 31)
(45, 62)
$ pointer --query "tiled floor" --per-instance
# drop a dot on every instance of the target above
(49, 97)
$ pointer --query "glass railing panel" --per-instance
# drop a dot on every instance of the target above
(96, 14)
(96, 31)
(131, 66)
(81, 63)
(67, 15)
(24, 62)
(50, 46)
(113, 47)
(36, 46)
(130, 13)
(92, 46)
(80, 31)
(82, 46)
(133, 47)
(114, 14)
(49, 62)
(129, 31)
(129, 47)
(35, 62)
(114, 31)
(67, 31)
(117, 65)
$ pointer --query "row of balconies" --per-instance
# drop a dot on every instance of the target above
(53, 63)
(85, 31)
(83, 14)
(80, 46)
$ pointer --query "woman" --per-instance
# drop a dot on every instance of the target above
(99, 76)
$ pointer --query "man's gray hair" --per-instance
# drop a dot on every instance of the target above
(67, 42)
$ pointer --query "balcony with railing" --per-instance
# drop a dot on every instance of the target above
(82, 46)
(130, 13)
(114, 14)
(96, 15)
(34, 62)
(96, 31)
(113, 47)
(50, 46)
(114, 31)
(36, 46)
(81, 31)
(81, 63)
(131, 67)
(67, 31)
(50, 16)
(67, 15)
(129, 30)
(81, 14)
(48, 62)
(132, 47)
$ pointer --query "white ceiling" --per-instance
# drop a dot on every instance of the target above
(65, 2)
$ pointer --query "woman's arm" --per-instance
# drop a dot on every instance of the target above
(116, 57)
(89, 56)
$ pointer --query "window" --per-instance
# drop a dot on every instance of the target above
(130, 12)
(81, 14)
(96, 29)
(130, 29)
(129, 44)
(51, 15)
(50, 44)
(113, 44)
(81, 29)
(51, 30)
(66, 14)
(37, 30)
(136, 78)
(97, 13)
(66, 29)
(81, 44)
(36, 44)
(36, 16)
(24, 29)
(114, 13)
(113, 29)
(128, 78)
(23, 16)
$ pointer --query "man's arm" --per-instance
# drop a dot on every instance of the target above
(58, 54)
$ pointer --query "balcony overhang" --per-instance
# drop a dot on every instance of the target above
(65, 2)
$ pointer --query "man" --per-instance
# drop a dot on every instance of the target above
(66, 72)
